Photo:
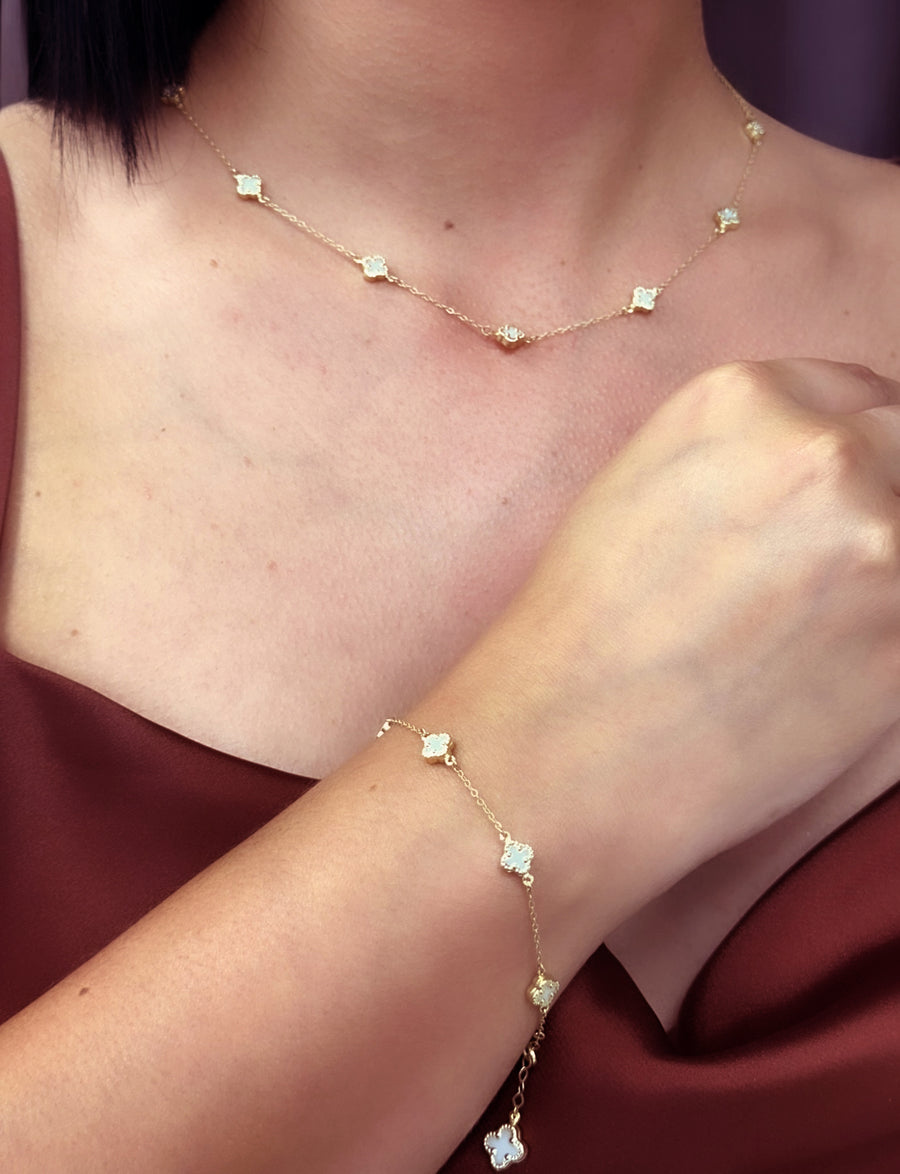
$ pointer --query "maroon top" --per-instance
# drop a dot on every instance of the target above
(786, 1057)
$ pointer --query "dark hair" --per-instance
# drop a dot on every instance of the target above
(104, 63)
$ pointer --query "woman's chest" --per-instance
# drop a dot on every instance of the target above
(267, 545)
(263, 516)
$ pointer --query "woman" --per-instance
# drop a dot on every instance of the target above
(259, 505)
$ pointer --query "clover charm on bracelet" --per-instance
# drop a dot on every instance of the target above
(505, 1147)
(436, 747)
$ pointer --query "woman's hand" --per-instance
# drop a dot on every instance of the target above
(714, 634)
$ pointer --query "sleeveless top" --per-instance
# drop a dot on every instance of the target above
(786, 1055)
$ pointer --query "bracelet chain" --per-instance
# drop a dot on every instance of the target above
(505, 1146)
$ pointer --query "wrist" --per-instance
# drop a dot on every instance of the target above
(597, 859)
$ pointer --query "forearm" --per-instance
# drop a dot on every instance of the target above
(344, 991)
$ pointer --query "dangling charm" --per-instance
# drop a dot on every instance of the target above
(505, 1147)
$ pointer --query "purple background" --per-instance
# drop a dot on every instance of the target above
(829, 67)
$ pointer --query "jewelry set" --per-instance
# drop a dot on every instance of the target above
(505, 1146)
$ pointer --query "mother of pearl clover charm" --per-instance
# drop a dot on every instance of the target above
(516, 857)
(436, 747)
(374, 268)
(249, 187)
(643, 300)
(504, 1147)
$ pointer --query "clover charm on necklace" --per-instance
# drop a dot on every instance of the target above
(374, 268)
(643, 300)
(249, 187)
(504, 1147)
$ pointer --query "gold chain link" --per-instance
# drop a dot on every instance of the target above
(529, 1059)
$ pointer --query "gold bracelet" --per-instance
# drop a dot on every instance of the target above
(504, 1147)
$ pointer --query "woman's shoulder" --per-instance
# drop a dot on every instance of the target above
(818, 177)
(828, 250)
(57, 170)
(31, 153)
(862, 194)
(27, 138)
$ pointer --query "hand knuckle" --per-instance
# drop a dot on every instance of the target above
(737, 378)
(876, 545)
(833, 453)
(727, 392)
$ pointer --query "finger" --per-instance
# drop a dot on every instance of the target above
(826, 386)
(881, 428)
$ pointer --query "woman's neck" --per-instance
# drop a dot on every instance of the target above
(501, 119)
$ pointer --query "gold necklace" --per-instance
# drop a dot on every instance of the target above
(375, 268)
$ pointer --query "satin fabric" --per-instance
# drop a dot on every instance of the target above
(786, 1056)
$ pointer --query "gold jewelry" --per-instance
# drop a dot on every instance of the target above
(505, 1146)
(375, 268)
